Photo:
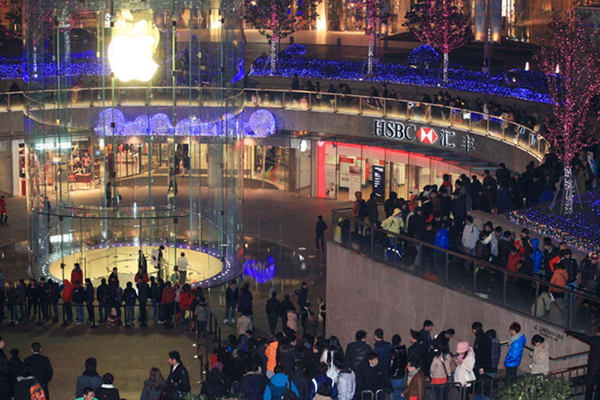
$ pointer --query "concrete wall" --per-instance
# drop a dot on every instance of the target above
(365, 294)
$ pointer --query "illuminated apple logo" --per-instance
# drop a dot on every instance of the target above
(130, 56)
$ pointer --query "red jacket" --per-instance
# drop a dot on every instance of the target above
(144, 277)
(513, 259)
(77, 276)
(185, 301)
(168, 295)
(67, 294)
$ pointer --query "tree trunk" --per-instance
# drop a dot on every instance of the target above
(446, 62)
(371, 49)
(568, 190)
(274, 43)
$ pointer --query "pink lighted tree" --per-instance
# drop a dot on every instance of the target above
(569, 59)
(373, 17)
(442, 24)
(277, 19)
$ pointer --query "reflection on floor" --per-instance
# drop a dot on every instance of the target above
(98, 263)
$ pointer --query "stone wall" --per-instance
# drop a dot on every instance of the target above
(365, 294)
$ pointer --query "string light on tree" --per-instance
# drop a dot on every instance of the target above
(569, 59)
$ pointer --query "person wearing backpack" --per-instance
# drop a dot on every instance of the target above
(280, 387)
(27, 385)
(129, 296)
(203, 313)
(41, 366)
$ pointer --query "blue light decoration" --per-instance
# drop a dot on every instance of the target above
(580, 229)
(261, 124)
(295, 49)
(459, 79)
(260, 271)
(105, 120)
(424, 54)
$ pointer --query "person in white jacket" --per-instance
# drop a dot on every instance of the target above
(346, 379)
(465, 363)
(470, 236)
(540, 361)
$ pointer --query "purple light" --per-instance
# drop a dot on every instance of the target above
(262, 123)
(260, 271)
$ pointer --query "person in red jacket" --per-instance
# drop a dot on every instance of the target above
(513, 259)
(185, 301)
(3, 212)
(67, 296)
(141, 274)
(77, 274)
(168, 303)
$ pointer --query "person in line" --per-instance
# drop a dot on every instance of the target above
(382, 348)
(441, 371)
(129, 296)
(483, 350)
(203, 314)
(90, 378)
(540, 362)
(346, 378)
(179, 378)
(516, 344)
(397, 367)
(372, 376)
(42, 367)
(88, 394)
(415, 389)
(214, 387)
(5, 373)
(23, 385)
(253, 383)
(465, 362)
(153, 386)
(358, 351)
(278, 385)
(107, 391)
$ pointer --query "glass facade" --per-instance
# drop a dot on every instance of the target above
(160, 162)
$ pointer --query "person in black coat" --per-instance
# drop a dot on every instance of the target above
(23, 384)
(302, 294)
(287, 354)
(154, 299)
(5, 373)
(418, 350)
(41, 366)
(358, 351)
(214, 387)
(272, 310)
(43, 294)
(483, 351)
(90, 378)
(178, 376)
(592, 379)
(299, 378)
(371, 376)
(107, 391)
(89, 299)
(103, 296)
(284, 306)
(253, 384)
(245, 301)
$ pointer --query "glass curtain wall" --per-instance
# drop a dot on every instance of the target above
(133, 127)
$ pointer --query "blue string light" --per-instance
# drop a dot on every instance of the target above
(459, 78)
(260, 271)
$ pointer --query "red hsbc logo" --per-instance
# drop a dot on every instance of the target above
(427, 135)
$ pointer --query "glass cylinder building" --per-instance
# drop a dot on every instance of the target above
(134, 136)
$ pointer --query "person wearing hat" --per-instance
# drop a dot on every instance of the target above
(590, 274)
(465, 362)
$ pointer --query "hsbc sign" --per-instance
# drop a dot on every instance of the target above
(413, 132)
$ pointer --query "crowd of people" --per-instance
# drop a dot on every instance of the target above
(290, 366)
(29, 379)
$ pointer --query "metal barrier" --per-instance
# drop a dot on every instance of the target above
(467, 274)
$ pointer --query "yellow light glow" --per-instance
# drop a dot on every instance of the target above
(130, 55)
(321, 23)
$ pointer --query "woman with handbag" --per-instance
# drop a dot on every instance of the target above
(441, 371)
(465, 363)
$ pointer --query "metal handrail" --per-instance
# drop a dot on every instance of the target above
(570, 356)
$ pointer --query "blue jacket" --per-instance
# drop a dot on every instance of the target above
(316, 383)
(515, 352)
(279, 383)
(536, 255)
(441, 239)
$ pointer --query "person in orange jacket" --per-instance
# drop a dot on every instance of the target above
(271, 353)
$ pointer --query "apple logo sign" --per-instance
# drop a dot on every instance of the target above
(130, 56)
